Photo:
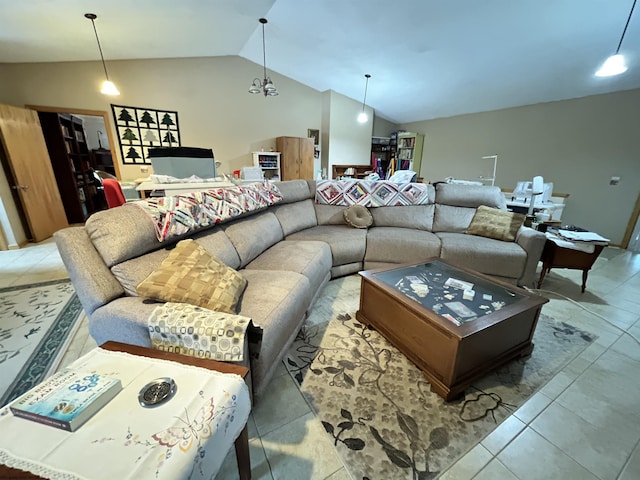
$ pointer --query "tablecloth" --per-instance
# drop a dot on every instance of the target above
(186, 437)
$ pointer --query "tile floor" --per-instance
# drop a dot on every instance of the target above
(583, 424)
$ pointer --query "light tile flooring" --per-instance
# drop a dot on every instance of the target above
(583, 424)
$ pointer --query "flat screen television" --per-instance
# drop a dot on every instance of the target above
(183, 162)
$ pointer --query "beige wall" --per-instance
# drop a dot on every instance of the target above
(382, 127)
(576, 144)
(210, 95)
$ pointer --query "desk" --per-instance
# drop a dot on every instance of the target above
(555, 209)
(147, 187)
(554, 256)
(241, 444)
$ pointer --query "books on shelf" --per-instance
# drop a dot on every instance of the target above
(67, 399)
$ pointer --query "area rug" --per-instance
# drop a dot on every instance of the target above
(380, 412)
(37, 322)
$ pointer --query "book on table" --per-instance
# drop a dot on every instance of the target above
(67, 399)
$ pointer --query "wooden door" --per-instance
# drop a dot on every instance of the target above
(30, 166)
(305, 169)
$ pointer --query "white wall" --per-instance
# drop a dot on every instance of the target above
(576, 144)
(349, 140)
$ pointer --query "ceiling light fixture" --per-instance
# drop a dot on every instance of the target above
(108, 88)
(265, 86)
(362, 116)
(615, 65)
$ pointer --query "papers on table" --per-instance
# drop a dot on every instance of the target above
(582, 236)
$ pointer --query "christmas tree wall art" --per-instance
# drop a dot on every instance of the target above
(142, 128)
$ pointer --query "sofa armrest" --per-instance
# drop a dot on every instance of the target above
(93, 282)
(532, 242)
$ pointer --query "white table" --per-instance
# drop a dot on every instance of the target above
(147, 187)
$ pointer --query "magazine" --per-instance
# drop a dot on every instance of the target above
(67, 399)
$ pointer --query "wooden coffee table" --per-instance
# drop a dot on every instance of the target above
(452, 339)
(241, 444)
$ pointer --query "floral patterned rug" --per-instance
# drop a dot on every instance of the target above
(379, 409)
(36, 323)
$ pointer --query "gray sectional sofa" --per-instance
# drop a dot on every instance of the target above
(287, 253)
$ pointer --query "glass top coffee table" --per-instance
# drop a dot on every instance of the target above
(455, 324)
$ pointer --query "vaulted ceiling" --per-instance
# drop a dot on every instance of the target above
(428, 58)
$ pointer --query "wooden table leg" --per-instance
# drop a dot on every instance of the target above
(543, 273)
(585, 273)
(242, 454)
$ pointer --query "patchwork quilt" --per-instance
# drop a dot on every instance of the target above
(371, 193)
(181, 214)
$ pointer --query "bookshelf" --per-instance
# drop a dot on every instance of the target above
(382, 156)
(409, 151)
(71, 162)
(269, 163)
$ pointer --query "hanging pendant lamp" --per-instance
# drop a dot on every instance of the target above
(108, 87)
(362, 116)
(615, 64)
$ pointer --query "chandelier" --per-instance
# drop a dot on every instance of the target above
(265, 86)
(108, 88)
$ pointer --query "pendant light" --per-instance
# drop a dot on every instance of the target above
(265, 86)
(615, 65)
(108, 87)
(362, 116)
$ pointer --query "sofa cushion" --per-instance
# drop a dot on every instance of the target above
(400, 245)
(405, 216)
(297, 216)
(253, 235)
(347, 244)
(357, 216)
(309, 258)
(484, 255)
(448, 218)
(190, 274)
(294, 191)
(329, 214)
(495, 223)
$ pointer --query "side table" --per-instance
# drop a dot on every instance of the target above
(241, 443)
(555, 256)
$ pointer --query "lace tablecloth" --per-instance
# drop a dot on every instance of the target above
(187, 437)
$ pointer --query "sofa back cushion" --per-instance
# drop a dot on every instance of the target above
(253, 235)
(295, 216)
(407, 216)
(456, 205)
(122, 233)
(294, 191)
(330, 214)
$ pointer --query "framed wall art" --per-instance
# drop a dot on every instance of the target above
(142, 128)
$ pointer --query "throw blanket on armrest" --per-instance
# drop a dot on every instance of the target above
(198, 332)
(182, 214)
(371, 194)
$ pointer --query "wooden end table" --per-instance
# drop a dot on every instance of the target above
(242, 442)
(555, 256)
(454, 340)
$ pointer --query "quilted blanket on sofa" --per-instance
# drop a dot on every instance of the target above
(371, 193)
(182, 214)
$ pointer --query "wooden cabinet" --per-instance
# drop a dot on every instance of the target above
(409, 151)
(79, 189)
(296, 157)
(269, 163)
(382, 155)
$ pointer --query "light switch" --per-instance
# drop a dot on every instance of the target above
(614, 181)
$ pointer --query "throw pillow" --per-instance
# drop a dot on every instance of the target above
(190, 274)
(358, 216)
(495, 223)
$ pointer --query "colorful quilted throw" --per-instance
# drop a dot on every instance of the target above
(182, 214)
(371, 194)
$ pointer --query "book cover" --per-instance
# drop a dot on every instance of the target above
(67, 399)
